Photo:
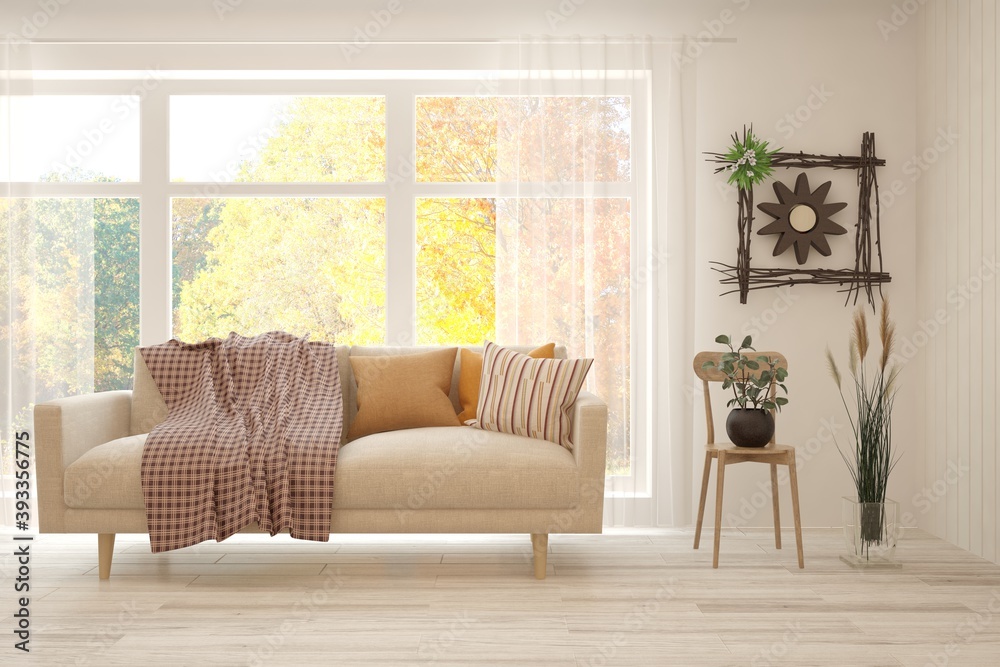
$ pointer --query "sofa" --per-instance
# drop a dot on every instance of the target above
(454, 479)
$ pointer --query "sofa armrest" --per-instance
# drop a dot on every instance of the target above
(65, 429)
(590, 449)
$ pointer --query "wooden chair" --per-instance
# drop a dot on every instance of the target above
(726, 454)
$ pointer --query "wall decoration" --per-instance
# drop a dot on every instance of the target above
(867, 237)
(801, 218)
(749, 164)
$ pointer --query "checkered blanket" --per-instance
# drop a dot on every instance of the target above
(252, 435)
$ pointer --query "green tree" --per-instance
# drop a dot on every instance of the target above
(116, 291)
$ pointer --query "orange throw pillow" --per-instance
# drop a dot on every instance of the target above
(403, 391)
(470, 377)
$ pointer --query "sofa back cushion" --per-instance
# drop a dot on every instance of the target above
(403, 391)
(149, 409)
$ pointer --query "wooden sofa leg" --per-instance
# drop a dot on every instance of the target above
(540, 546)
(105, 552)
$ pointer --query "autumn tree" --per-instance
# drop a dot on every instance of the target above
(191, 219)
(307, 266)
(533, 269)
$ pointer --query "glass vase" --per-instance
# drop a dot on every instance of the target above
(870, 533)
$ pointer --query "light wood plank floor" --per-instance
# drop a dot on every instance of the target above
(623, 598)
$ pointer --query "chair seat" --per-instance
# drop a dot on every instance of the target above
(773, 450)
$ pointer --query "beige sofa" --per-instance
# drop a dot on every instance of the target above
(428, 480)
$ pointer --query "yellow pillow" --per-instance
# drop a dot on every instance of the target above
(403, 391)
(470, 377)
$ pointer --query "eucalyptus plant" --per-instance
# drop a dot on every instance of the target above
(871, 392)
(750, 160)
(750, 379)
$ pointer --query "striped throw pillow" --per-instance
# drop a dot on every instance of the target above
(530, 397)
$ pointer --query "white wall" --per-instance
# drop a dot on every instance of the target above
(783, 51)
(957, 224)
(830, 68)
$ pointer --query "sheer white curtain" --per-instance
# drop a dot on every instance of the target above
(47, 256)
(585, 203)
(15, 383)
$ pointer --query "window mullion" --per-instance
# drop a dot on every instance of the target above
(154, 227)
(180, 189)
(400, 212)
(71, 189)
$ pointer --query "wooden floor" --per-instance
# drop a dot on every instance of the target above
(623, 598)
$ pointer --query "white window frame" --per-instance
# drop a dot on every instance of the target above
(400, 191)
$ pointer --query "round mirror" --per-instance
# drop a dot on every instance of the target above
(802, 217)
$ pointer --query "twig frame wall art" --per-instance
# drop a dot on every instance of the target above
(862, 278)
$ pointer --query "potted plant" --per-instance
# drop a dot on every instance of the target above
(869, 519)
(750, 423)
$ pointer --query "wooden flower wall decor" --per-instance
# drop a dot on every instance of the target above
(802, 219)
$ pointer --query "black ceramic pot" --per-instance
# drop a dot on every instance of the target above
(748, 427)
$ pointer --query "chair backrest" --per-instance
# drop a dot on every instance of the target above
(715, 375)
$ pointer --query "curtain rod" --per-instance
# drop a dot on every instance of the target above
(337, 42)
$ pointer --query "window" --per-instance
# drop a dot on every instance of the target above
(277, 138)
(381, 211)
(72, 138)
(532, 139)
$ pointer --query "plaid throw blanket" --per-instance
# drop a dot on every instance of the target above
(252, 435)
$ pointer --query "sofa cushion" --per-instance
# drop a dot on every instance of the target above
(471, 373)
(454, 468)
(529, 397)
(403, 391)
(107, 476)
(426, 468)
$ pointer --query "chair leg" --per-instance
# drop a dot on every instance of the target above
(794, 483)
(701, 502)
(105, 552)
(720, 476)
(774, 503)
